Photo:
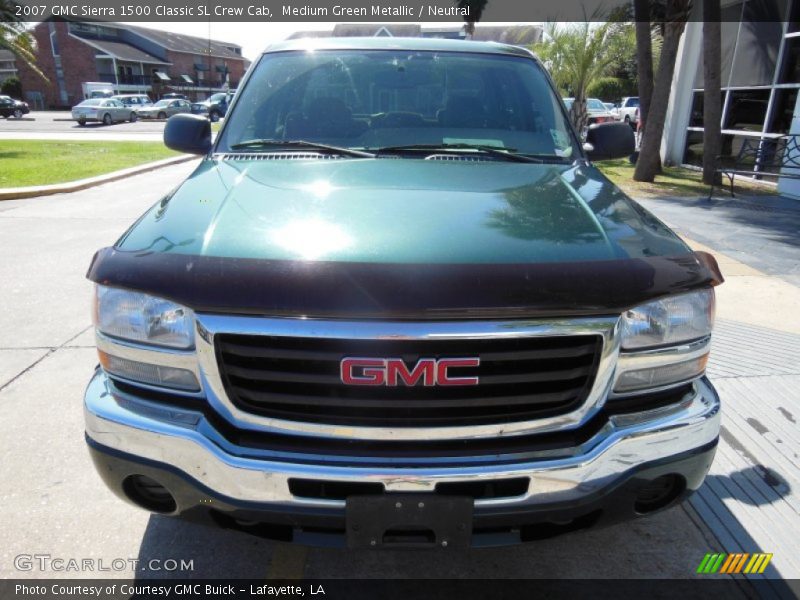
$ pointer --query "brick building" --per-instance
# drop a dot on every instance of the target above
(8, 65)
(130, 60)
(521, 35)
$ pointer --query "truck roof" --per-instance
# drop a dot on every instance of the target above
(398, 43)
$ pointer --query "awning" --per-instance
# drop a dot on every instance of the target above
(201, 67)
(162, 76)
(222, 68)
(187, 79)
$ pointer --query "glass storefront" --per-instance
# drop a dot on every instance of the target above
(760, 76)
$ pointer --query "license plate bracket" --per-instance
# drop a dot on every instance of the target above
(409, 521)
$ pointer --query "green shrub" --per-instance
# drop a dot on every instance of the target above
(11, 86)
(608, 89)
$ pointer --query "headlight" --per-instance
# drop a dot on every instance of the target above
(665, 342)
(139, 317)
(669, 321)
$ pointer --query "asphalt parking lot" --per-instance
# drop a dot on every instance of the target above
(54, 503)
(58, 124)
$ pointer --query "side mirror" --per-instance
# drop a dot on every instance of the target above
(188, 133)
(610, 140)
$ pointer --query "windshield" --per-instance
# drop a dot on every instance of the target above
(91, 103)
(162, 102)
(594, 104)
(217, 98)
(372, 99)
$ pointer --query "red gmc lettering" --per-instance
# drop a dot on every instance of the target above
(442, 378)
(393, 372)
(425, 369)
(373, 372)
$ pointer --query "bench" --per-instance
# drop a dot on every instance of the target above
(767, 157)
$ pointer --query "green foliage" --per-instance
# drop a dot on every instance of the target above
(608, 89)
(577, 55)
(12, 86)
(14, 36)
(622, 46)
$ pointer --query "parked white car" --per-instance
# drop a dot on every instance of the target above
(598, 113)
(628, 110)
(134, 101)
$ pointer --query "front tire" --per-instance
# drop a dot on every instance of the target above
(133, 117)
(627, 120)
(213, 116)
(81, 122)
(162, 115)
(107, 120)
(17, 113)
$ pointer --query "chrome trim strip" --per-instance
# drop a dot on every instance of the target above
(184, 440)
(210, 325)
(643, 359)
(155, 355)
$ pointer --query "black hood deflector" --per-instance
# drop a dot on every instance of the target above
(399, 291)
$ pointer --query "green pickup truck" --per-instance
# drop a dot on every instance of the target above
(397, 305)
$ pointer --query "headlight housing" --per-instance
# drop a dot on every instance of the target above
(665, 342)
(669, 320)
(138, 317)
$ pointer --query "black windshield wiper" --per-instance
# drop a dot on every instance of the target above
(267, 143)
(494, 151)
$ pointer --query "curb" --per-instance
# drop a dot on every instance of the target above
(82, 184)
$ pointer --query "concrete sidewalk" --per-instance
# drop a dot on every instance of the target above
(751, 499)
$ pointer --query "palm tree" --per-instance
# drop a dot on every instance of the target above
(649, 162)
(712, 95)
(16, 38)
(576, 56)
(644, 56)
(476, 8)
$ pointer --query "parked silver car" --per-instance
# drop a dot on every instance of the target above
(104, 110)
(164, 109)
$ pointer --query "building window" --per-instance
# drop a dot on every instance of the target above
(761, 94)
(794, 17)
(747, 110)
(790, 70)
(697, 114)
(783, 111)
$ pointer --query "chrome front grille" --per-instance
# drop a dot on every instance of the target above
(281, 376)
(298, 379)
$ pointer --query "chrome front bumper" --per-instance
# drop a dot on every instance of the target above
(187, 442)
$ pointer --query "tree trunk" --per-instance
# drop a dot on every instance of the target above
(578, 113)
(712, 101)
(469, 29)
(649, 162)
(644, 56)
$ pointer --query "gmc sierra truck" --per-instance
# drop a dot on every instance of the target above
(397, 305)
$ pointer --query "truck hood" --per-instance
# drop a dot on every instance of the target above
(401, 238)
(399, 211)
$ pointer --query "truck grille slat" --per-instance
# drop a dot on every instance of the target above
(251, 396)
(276, 351)
(297, 379)
(256, 374)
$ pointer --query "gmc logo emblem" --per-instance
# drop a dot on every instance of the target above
(394, 372)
